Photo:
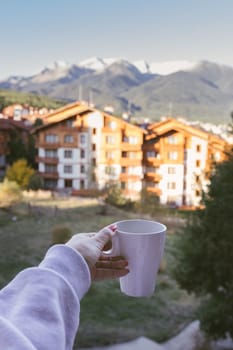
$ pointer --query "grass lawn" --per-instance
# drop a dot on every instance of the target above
(107, 316)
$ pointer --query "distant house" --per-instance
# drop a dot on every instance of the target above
(178, 159)
(7, 126)
(80, 147)
(28, 113)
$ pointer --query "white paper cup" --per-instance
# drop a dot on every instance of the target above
(141, 243)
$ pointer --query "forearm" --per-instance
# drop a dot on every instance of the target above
(40, 307)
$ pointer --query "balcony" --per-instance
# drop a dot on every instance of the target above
(130, 177)
(46, 175)
(48, 145)
(130, 161)
(125, 146)
(152, 162)
(154, 177)
(47, 160)
(154, 190)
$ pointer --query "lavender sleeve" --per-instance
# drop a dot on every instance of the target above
(39, 308)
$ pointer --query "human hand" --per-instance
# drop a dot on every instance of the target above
(90, 246)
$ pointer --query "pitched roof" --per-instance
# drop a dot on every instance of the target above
(74, 109)
(163, 127)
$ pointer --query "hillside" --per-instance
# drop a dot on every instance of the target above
(8, 97)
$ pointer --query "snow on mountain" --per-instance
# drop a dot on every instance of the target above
(142, 66)
(93, 63)
(162, 68)
(97, 63)
(54, 71)
(168, 67)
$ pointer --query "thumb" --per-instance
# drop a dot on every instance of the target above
(103, 236)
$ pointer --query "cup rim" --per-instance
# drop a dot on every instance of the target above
(163, 227)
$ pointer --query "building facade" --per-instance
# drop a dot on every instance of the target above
(81, 148)
(177, 161)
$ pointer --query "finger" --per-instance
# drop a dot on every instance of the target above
(111, 258)
(119, 264)
(112, 227)
(102, 274)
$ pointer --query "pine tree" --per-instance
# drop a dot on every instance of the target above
(204, 262)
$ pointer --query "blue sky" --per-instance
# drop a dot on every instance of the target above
(36, 33)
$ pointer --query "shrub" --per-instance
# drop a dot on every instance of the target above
(20, 172)
(9, 193)
(35, 182)
(115, 197)
(61, 234)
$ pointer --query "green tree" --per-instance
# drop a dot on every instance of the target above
(21, 149)
(20, 172)
(205, 254)
(16, 147)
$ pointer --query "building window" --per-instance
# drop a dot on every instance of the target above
(67, 153)
(151, 154)
(68, 138)
(51, 138)
(93, 147)
(67, 169)
(171, 170)
(82, 138)
(133, 140)
(110, 155)
(152, 169)
(50, 168)
(109, 170)
(172, 140)
(172, 155)
(69, 123)
(51, 153)
(112, 125)
(82, 153)
(93, 161)
(171, 185)
(133, 155)
(50, 183)
(133, 170)
(94, 131)
(197, 193)
(110, 139)
(68, 183)
(152, 184)
(198, 148)
(82, 169)
(82, 184)
(198, 163)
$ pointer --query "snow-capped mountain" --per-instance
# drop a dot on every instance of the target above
(162, 68)
(193, 90)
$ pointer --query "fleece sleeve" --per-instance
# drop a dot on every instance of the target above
(39, 308)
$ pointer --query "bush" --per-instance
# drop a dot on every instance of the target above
(9, 193)
(115, 197)
(35, 182)
(20, 172)
(148, 203)
(61, 234)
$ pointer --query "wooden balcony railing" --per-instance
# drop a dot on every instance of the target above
(47, 160)
(46, 175)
